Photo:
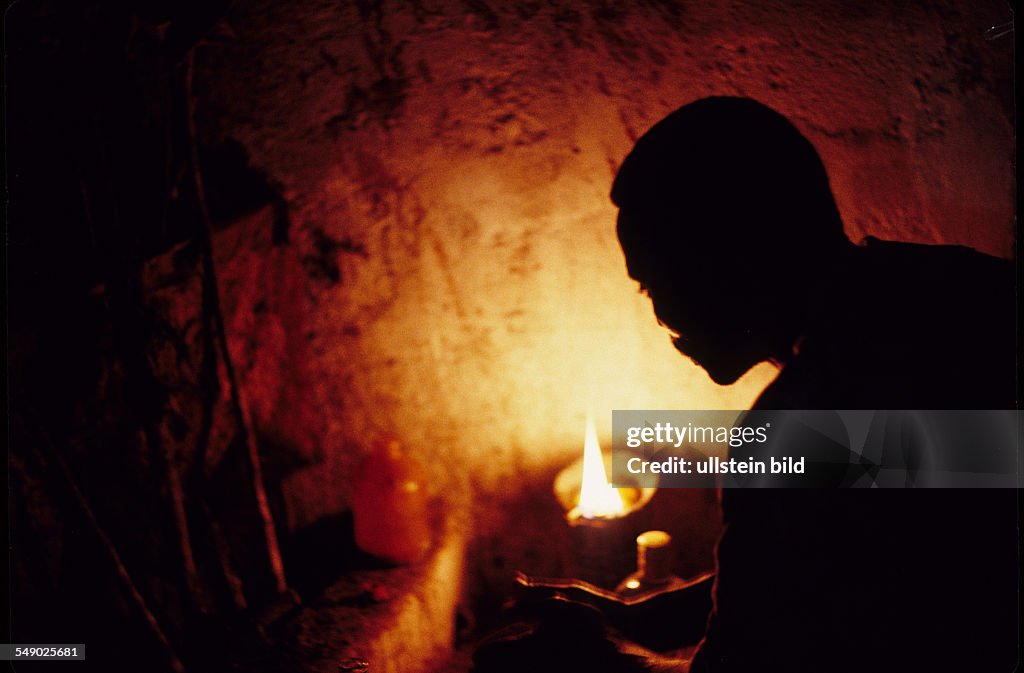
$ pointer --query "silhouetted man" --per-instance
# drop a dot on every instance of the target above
(728, 223)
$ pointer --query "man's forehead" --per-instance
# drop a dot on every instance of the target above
(632, 248)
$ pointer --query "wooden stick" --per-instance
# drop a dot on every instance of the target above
(237, 397)
(125, 578)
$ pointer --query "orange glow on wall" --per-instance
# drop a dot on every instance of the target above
(452, 274)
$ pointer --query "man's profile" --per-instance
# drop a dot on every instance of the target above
(728, 222)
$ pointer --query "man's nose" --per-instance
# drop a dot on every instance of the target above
(675, 331)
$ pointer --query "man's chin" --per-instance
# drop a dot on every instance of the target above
(725, 378)
(724, 374)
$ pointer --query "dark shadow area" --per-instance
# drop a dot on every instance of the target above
(317, 555)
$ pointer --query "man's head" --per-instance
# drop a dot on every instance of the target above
(727, 220)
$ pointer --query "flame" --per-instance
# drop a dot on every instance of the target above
(597, 497)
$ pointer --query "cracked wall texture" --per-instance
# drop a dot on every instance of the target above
(451, 272)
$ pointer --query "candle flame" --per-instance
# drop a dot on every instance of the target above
(597, 497)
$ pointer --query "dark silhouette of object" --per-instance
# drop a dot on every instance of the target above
(728, 222)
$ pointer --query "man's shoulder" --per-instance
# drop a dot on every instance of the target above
(939, 299)
(914, 326)
(955, 262)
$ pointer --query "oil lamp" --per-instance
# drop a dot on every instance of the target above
(603, 520)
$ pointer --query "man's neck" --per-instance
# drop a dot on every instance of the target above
(828, 280)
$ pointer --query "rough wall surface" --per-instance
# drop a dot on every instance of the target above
(451, 272)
